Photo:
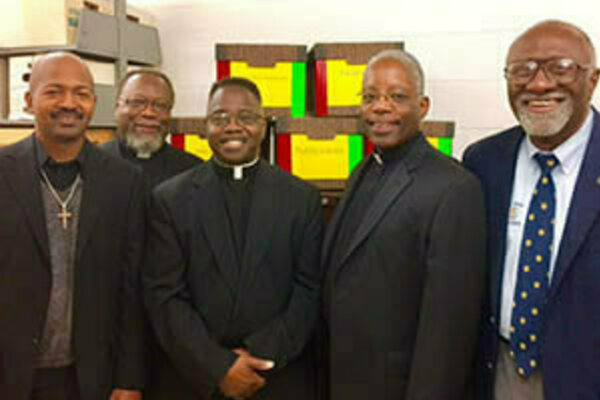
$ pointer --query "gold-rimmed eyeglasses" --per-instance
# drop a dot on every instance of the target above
(559, 70)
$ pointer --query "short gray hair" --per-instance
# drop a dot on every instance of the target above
(407, 60)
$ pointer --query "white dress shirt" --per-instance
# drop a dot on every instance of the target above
(570, 155)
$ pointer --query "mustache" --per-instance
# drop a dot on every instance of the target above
(554, 95)
(66, 113)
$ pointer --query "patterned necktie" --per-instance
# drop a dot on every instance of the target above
(532, 278)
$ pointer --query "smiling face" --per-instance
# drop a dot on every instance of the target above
(143, 112)
(392, 107)
(551, 112)
(235, 125)
(61, 97)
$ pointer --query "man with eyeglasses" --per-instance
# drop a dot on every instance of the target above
(404, 255)
(143, 115)
(541, 330)
(232, 279)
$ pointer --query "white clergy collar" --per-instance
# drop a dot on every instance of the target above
(238, 171)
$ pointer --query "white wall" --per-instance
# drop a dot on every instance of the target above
(461, 44)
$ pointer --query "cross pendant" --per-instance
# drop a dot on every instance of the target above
(64, 216)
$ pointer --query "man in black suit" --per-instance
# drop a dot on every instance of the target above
(71, 241)
(232, 281)
(404, 255)
(143, 115)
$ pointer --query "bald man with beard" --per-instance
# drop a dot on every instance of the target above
(71, 236)
(541, 331)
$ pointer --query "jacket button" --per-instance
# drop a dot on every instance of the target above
(35, 342)
(490, 365)
(492, 320)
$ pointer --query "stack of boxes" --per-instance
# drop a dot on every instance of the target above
(279, 71)
(314, 100)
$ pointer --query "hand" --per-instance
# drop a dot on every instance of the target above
(241, 381)
(122, 394)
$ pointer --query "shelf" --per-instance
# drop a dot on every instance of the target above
(97, 39)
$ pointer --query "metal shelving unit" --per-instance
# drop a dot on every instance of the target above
(100, 37)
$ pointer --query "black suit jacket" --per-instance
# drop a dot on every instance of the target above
(202, 304)
(107, 312)
(402, 305)
(167, 162)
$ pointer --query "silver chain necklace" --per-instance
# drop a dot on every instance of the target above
(64, 213)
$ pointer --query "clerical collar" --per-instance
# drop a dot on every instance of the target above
(390, 156)
(132, 153)
(235, 172)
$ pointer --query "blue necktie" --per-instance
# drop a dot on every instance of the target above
(532, 278)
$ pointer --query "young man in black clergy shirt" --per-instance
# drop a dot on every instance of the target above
(232, 282)
(143, 116)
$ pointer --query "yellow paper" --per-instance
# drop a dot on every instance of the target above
(275, 83)
(197, 146)
(434, 141)
(344, 83)
(320, 159)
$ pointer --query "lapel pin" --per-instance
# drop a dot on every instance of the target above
(598, 181)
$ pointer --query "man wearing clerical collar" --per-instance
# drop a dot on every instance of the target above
(71, 244)
(404, 255)
(233, 279)
(145, 99)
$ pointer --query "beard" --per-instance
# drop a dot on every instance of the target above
(144, 144)
(544, 124)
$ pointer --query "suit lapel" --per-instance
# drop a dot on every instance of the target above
(501, 183)
(94, 188)
(340, 210)
(395, 184)
(264, 212)
(25, 183)
(208, 202)
(584, 208)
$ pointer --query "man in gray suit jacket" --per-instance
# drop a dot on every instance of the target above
(404, 255)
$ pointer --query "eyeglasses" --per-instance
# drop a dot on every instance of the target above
(368, 99)
(559, 70)
(139, 104)
(244, 118)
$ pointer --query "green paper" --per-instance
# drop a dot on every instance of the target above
(445, 145)
(355, 149)
(298, 90)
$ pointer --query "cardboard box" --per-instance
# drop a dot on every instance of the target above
(279, 71)
(34, 23)
(325, 151)
(322, 150)
(189, 134)
(335, 75)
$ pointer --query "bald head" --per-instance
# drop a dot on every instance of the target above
(61, 97)
(549, 29)
(51, 61)
(406, 59)
(553, 99)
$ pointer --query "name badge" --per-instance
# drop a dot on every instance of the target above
(515, 213)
